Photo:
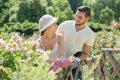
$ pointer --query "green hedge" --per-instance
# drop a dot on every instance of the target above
(26, 28)
(99, 27)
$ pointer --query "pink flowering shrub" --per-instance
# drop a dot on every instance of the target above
(116, 24)
(18, 57)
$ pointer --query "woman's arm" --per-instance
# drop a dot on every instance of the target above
(61, 48)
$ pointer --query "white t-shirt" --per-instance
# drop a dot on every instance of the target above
(74, 41)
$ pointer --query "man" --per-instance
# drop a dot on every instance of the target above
(78, 37)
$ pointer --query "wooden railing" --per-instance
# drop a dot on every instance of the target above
(100, 71)
(108, 55)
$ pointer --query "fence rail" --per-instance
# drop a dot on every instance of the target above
(101, 71)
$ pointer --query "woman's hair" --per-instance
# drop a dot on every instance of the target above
(42, 32)
(85, 9)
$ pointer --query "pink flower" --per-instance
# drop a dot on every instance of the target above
(16, 38)
(2, 42)
(116, 24)
(19, 40)
(33, 43)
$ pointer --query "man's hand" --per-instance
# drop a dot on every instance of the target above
(75, 63)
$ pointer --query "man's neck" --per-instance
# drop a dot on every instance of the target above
(78, 28)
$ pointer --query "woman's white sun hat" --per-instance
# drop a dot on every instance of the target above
(45, 21)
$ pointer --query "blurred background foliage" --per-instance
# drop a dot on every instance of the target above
(22, 16)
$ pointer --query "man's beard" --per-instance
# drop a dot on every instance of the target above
(80, 24)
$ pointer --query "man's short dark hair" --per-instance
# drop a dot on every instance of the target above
(85, 9)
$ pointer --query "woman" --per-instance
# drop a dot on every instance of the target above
(50, 40)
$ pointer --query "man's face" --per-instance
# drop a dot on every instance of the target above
(80, 18)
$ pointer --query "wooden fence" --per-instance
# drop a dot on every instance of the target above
(101, 71)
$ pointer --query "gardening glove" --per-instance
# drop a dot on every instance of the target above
(55, 68)
(62, 62)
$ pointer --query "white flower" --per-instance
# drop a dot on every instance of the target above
(29, 53)
(14, 75)
(11, 49)
(1, 62)
(40, 50)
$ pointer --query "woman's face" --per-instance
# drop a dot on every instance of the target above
(52, 27)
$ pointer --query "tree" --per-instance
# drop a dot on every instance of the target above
(62, 10)
(31, 10)
(106, 15)
(115, 6)
(75, 3)
(117, 9)
(4, 15)
(91, 4)
(13, 10)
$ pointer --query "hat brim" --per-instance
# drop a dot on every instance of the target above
(55, 19)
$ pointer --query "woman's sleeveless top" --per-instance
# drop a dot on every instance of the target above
(55, 48)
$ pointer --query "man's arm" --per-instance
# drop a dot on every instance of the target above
(83, 56)
(87, 47)
(86, 52)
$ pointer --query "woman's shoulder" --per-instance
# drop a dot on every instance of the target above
(59, 35)
(60, 39)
